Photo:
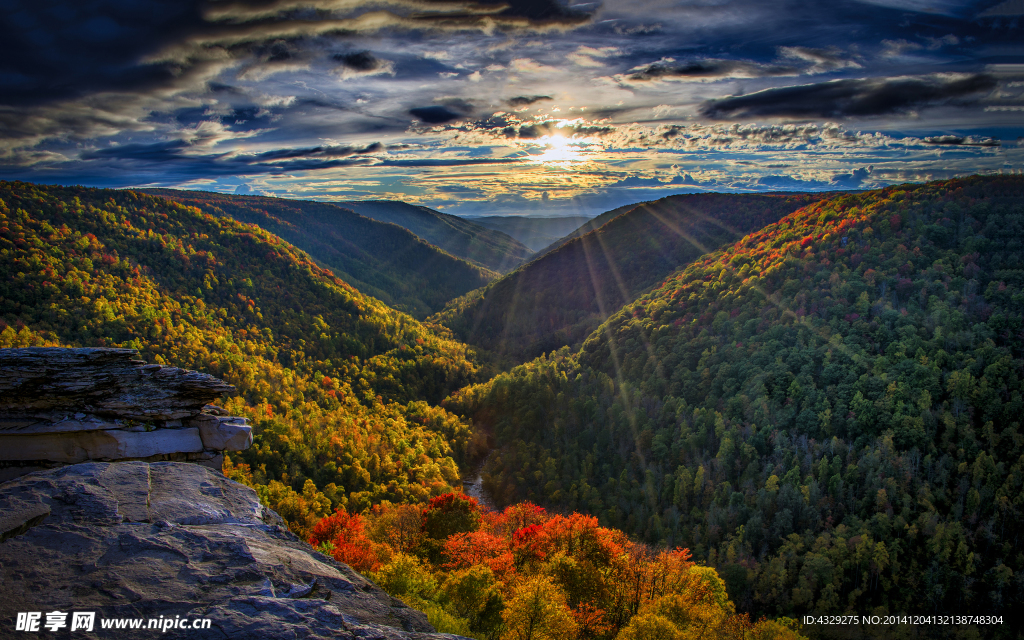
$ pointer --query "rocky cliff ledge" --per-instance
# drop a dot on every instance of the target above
(143, 540)
(63, 406)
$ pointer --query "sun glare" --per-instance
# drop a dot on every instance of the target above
(559, 150)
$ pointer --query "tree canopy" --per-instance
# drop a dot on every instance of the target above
(826, 410)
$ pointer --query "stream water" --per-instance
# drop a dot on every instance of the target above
(473, 486)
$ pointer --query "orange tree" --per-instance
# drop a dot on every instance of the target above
(525, 574)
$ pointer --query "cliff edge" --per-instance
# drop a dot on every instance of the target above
(107, 525)
(62, 406)
(172, 540)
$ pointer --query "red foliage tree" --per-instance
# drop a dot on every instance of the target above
(347, 535)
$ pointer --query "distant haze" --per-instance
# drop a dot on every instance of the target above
(536, 232)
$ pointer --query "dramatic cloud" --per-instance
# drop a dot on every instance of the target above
(360, 60)
(447, 11)
(710, 69)
(435, 115)
(522, 101)
(318, 152)
(494, 103)
(843, 98)
(970, 141)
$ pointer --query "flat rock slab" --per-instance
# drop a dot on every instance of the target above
(144, 540)
(100, 445)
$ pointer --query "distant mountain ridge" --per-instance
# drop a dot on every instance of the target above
(536, 232)
(591, 225)
(562, 296)
(380, 259)
(460, 237)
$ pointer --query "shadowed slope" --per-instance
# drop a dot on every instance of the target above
(380, 259)
(590, 225)
(562, 296)
(458, 236)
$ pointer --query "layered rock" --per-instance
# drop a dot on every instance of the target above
(145, 540)
(63, 406)
(102, 382)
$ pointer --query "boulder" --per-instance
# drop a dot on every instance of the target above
(222, 433)
(165, 539)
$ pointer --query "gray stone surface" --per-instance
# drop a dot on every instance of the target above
(137, 539)
(222, 433)
(63, 406)
(101, 381)
(100, 445)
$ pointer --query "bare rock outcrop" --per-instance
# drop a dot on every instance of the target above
(102, 382)
(168, 540)
(64, 406)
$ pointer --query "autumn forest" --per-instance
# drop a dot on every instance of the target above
(706, 416)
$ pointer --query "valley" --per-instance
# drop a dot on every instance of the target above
(816, 395)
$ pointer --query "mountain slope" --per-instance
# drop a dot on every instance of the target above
(460, 237)
(559, 298)
(536, 232)
(340, 388)
(590, 225)
(380, 259)
(827, 410)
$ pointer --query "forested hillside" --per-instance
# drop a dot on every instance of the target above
(382, 260)
(342, 390)
(343, 394)
(458, 236)
(827, 410)
(561, 297)
(591, 225)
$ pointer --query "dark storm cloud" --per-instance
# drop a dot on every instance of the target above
(533, 11)
(358, 60)
(842, 98)
(538, 12)
(541, 129)
(440, 114)
(967, 141)
(157, 152)
(710, 68)
(318, 152)
(435, 114)
(274, 51)
(178, 160)
(522, 101)
(64, 49)
(61, 49)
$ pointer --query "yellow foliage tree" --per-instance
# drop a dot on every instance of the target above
(537, 611)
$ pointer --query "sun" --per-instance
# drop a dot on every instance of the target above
(559, 150)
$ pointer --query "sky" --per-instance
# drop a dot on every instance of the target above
(519, 107)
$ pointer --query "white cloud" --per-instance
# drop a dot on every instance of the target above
(528, 65)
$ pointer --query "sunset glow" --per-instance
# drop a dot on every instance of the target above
(469, 106)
